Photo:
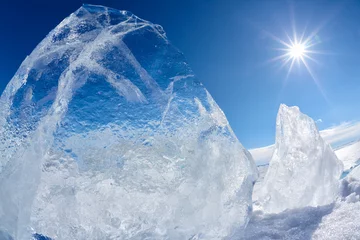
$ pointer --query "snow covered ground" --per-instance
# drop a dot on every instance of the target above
(349, 154)
(331, 222)
(335, 221)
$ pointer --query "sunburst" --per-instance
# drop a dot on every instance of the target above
(298, 50)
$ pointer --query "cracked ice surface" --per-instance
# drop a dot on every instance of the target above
(107, 134)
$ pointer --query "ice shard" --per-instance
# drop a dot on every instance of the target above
(304, 170)
(107, 134)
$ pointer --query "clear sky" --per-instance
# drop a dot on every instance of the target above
(229, 44)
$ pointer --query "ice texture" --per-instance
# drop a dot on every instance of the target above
(350, 186)
(107, 134)
(304, 170)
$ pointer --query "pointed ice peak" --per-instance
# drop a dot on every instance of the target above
(304, 170)
(292, 124)
(284, 108)
(286, 113)
(99, 8)
(110, 15)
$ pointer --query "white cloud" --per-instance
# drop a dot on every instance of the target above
(340, 134)
(319, 120)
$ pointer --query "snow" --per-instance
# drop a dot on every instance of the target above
(107, 134)
(354, 174)
(349, 155)
(304, 171)
(335, 221)
(330, 222)
(341, 223)
(295, 224)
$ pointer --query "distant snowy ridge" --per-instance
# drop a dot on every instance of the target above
(348, 152)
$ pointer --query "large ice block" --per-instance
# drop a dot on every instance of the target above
(107, 134)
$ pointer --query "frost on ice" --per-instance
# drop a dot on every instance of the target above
(106, 134)
(304, 170)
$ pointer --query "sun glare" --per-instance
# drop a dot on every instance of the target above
(297, 50)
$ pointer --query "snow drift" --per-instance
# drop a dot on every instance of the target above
(304, 170)
(106, 134)
(342, 222)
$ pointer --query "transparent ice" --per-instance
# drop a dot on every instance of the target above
(304, 170)
(107, 134)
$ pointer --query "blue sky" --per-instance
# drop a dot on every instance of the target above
(228, 43)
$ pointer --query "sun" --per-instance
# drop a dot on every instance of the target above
(297, 50)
